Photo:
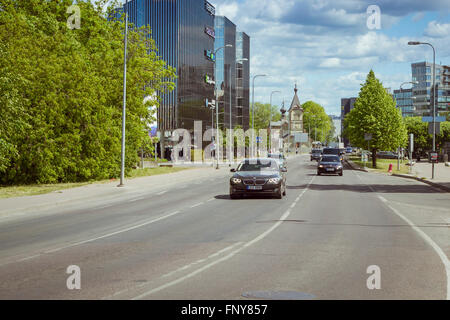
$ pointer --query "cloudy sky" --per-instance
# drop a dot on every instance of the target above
(327, 47)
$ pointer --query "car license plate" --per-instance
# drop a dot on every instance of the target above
(254, 187)
(330, 169)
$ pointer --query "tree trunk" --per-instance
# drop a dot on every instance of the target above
(374, 158)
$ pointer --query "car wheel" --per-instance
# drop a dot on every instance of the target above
(341, 174)
(284, 192)
(318, 173)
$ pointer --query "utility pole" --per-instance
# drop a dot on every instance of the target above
(122, 162)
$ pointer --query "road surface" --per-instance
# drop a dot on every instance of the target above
(193, 242)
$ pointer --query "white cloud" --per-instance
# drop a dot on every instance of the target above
(325, 45)
(437, 30)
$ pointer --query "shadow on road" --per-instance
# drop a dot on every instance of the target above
(305, 222)
(379, 188)
(247, 196)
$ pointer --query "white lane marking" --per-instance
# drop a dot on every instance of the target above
(211, 199)
(422, 234)
(197, 204)
(162, 192)
(182, 268)
(116, 232)
(430, 241)
(230, 255)
(136, 199)
(28, 258)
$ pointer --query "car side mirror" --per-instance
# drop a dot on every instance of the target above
(232, 170)
(283, 169)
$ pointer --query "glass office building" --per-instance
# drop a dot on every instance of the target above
(242, 80)
(422, 72)
(184, 34)
(225, 73)
(404, 101)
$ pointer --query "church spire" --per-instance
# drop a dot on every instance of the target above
(295, 89)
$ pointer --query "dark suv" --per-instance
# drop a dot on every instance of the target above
(333, 151)
(330, 164)
(316, 154)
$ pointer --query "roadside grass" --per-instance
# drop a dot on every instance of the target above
(36, 189)
(383, 165)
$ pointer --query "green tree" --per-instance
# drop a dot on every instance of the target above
(422, 139)
(375, 113)
(316, 121)
(63, 90)
(263, 114)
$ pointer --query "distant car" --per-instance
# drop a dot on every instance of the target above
(387, 155)
(349, 150)
(333, 151)
(258, 176)
(316, 154)
(330, 164)
(280, 158)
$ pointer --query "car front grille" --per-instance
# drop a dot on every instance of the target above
(252, 182)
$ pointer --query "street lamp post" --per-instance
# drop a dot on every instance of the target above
(414, 43)
(253, 108)
(217, 105)
(122, 162)
(270, 120)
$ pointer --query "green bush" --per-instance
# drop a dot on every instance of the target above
(61, 92)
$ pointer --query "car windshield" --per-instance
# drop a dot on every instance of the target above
(257, 166)
(271, 155)
(330, 159)
(316, 151)
(330, 151)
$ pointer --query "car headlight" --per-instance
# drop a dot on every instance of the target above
(274, 180)
(321, 166)
(339, 167)
(236, 180)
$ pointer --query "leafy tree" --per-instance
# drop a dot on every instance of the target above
(424, 140)
(316, 122)
(61, 92)
(375, 113)
(263, 115)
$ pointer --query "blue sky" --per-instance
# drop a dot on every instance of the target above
(326, 46)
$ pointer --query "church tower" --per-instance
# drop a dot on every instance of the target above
(296, 114)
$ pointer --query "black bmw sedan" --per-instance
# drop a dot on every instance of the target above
(258, 176)
(330, 164)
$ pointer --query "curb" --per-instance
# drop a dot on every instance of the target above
(433, 184)
(354, 166)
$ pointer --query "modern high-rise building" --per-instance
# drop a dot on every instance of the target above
(242, 80)
(422, 72)
(187, 33)
(404, 101)
(225, 73)
(184, 34)
(232, 74)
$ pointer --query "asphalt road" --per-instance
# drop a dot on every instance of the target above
(193, 242)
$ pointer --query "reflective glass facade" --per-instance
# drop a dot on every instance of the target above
(179, 30)
(225, 72)
(242, 80)
(403, 99)
(422, 72)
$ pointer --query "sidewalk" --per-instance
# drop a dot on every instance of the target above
(421, 171)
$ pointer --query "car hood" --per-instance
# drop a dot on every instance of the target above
(330, 163)
(257, 174)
